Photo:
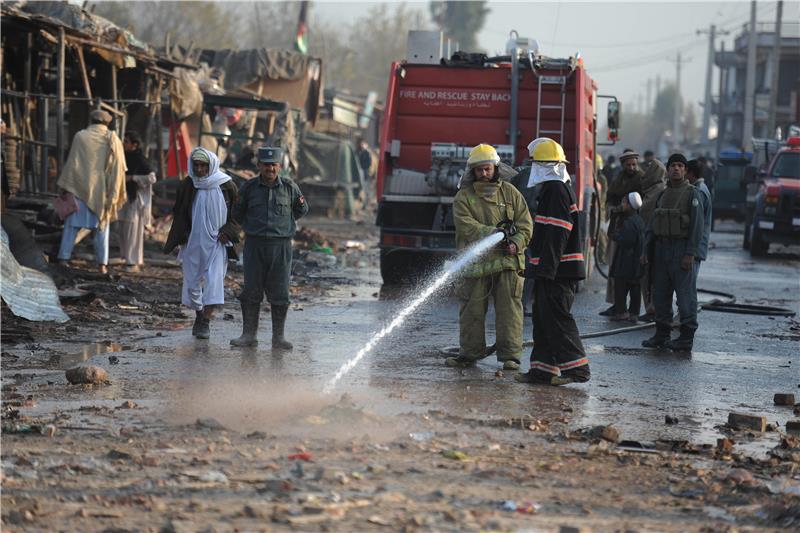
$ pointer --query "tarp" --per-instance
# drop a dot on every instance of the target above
(243, 67)
(328, 159)
(75, 17)
(29, 293)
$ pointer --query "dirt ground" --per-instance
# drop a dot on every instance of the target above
(188, 438)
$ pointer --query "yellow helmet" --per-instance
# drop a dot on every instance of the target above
(548, 150)
(481, 155)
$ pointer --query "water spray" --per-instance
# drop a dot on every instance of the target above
(460, 262)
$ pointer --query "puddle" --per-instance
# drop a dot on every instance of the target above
(89, 351)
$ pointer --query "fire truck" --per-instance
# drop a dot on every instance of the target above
(437, 109)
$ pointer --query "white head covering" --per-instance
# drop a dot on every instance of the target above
(549, 171)
(635, 200)
(214, 178)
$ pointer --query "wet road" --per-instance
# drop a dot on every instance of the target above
(739, 361)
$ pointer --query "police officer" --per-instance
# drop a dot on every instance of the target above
(674, 235)
(267, 209)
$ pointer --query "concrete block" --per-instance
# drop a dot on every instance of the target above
(783, 399)
(745, 421)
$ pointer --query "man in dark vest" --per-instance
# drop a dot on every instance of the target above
(671, 243)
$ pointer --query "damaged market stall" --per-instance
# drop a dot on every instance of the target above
(262, 97)
(59, 62)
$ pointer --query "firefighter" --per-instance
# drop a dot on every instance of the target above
(269, 206)
(487, 203)
(557, 265)
(672, 240)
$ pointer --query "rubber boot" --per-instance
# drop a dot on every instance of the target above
(684, 342)
(459, 362)
(510, 364)
(660, 339)
(198, 318)
(203, 322)
(278, 323)
(249, 326)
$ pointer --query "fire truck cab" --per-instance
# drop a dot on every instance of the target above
(438, 109)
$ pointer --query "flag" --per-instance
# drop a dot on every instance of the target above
(300, 41)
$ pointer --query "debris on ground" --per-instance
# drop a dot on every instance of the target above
(746, 421)
(87, 375)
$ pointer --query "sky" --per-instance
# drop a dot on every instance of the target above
(623, 43)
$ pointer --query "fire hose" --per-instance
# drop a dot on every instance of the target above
(725, 303)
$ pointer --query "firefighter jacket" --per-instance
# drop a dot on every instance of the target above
(678, 216)
(477, 216)
(556, 250)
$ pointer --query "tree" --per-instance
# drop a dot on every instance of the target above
(355, 59)
(206, 24)
(461, 21)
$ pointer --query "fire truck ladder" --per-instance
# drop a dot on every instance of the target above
(551, 80)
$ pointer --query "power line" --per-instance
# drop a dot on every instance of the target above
(626, 63)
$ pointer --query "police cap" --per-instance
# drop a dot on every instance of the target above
(270, 154)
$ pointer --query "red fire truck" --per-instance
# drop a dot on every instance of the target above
(437, 110)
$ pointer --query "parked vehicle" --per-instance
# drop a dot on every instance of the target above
(730, 184)
(774, 212)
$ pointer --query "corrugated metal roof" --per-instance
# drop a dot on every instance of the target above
(28, 293)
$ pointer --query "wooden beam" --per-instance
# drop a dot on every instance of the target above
(84, 74)
(60, 100)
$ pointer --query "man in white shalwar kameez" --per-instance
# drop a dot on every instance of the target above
(206, 197)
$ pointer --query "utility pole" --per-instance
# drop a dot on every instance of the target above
(776, 63)
(750, 82)
(676, 115)
(712, 34)
(649, 101)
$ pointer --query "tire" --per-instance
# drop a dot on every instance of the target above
(403, 267)
(758, 247)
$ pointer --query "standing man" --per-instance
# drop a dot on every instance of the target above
(674, 235)
(203, 227)
(653, 182)
(95, 175)
(365, 163)
(695, 175)
(139, 180)
(628, 181)
(269, 206)
(486, 203)
(557, 264)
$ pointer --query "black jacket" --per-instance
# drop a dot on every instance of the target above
(627, 263)
(556, 249)
(182, 216)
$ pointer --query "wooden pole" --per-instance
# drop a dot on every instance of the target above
(30, 181)
(44, 126)
(84, 74)
(60, 101)
(159, 130)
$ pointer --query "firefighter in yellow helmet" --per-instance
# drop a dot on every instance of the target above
(556, 263)
(487, 203)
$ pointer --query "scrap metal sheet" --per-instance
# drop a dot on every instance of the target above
(28, 293)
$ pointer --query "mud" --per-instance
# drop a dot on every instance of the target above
(193, 435)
